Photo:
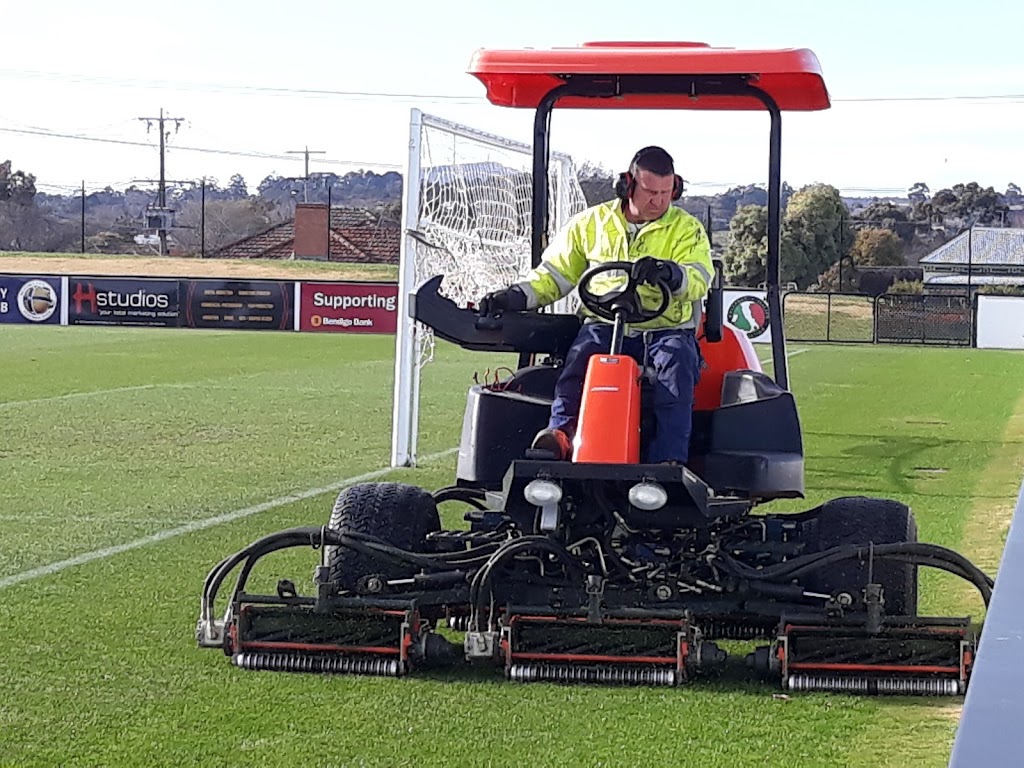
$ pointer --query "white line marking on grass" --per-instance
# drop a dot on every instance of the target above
(73, 395)
(794, 353)
(198, 525)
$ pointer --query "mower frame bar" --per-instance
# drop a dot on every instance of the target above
(611, 86)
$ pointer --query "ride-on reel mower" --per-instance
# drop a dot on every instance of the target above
(602, 568)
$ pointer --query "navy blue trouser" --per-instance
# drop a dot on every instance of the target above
(675, 357)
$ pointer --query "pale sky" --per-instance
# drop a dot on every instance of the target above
(236, 71)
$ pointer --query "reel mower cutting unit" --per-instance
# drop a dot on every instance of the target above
(601, 568)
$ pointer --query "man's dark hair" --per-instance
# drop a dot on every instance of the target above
(653, 159)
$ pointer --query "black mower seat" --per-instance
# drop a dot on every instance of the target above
(751, 445)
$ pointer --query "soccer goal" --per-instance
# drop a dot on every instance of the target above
(466, 215)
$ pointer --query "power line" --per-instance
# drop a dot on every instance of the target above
(253, 89)
(260, 89)
(206, 150)
(962, 97)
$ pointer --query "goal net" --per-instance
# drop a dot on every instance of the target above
(466, 215)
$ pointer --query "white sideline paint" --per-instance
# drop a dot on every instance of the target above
(794, 353)
(198, 525)
(73, 395)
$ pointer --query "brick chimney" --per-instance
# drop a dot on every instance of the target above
(311, 231)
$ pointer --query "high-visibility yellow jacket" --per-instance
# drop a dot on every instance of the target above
(599, 235)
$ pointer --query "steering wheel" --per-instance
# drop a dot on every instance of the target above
(625, 300)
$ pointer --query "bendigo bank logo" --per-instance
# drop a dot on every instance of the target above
(90, 301)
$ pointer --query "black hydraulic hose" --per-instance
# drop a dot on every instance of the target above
(482, 577)
(294, 537)
(318, 537)
(929, 555)
(472, 496)
(854, 551)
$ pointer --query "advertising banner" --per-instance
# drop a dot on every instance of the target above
(1000, 322)
(246, 304)
(349, 307)
(28, 299)
(747, 311)
(122, 301)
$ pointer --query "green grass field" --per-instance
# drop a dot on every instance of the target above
(119, 447)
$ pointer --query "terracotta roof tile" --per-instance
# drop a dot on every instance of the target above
(356, 236)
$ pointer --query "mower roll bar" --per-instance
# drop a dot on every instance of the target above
(611, 86)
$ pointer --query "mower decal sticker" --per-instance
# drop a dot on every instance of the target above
(749, 314)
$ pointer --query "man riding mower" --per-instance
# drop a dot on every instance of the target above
(605, 566)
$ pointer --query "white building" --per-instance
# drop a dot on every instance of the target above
(981, 256)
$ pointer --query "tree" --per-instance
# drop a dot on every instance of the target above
(918, 193)
(877, 248)
(237, 189)
(226, 222)
(968, 204)
(885, 214)
(16, 186)
(744, 259)
(596, 182)
(817, 232)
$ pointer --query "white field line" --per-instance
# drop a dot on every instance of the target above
(794, 353)
(198, 525)
(144, 387)
(73, 395)
(42, 517)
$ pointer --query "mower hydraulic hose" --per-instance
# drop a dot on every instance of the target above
(319, 537)
(293, 537)
(480, 585)
(472, 496)
(929, 555)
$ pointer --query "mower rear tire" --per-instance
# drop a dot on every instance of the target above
(397, 513)
(862, 520)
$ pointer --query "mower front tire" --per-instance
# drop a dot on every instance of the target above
(399, 514)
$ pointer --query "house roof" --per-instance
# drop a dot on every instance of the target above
(356, 235)
(980, 246)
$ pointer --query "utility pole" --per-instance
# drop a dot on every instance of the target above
(307, 152)
(83, 215)
(162, 181)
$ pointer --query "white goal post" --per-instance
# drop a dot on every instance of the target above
(465, 215)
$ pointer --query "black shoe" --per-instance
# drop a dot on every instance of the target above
(555, 442)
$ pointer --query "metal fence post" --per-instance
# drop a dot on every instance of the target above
(202, 220)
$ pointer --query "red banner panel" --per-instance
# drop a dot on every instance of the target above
(349, 307)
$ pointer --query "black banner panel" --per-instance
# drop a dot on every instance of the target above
(248, 304)
(122, 301)
(27, 299)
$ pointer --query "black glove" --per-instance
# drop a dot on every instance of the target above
(506, 300)
(649, 269)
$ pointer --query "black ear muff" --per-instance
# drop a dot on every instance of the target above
(624, 185)
(677, 187)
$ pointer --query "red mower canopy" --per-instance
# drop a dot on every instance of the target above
(522, 78)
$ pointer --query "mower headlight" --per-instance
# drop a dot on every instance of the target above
(648, 496)
(542, 492)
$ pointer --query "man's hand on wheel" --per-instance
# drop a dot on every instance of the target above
(651, 270)
(506, 300)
